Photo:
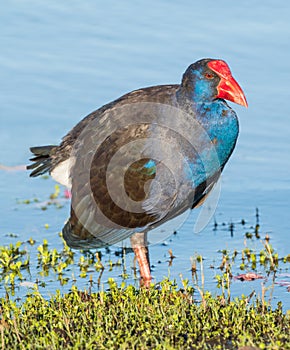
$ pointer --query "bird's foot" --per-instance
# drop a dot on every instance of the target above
(145, 282)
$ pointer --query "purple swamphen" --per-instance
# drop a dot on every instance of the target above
(145, 158)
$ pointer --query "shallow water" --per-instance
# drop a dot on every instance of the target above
(59, 62)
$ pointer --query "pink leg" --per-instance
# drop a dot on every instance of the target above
(139, 245)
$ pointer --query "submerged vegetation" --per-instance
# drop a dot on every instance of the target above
(170, 315)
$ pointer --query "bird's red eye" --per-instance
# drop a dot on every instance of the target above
(209, 75)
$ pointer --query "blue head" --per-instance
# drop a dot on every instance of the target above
(209, 79)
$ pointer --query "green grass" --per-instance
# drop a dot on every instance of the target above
(127, 317)
(130, 318)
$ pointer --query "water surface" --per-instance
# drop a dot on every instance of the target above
(60, 61)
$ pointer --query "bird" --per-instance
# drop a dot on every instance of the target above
(144, 159)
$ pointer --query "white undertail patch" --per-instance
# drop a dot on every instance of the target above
(61, 173)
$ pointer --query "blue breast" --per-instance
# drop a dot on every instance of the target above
(221, 128)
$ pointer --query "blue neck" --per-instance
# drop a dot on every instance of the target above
(220, 125)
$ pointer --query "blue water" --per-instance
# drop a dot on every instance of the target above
(60, 61)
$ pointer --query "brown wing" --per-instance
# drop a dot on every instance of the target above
(160, 94)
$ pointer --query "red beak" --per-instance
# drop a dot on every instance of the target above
(228, 88)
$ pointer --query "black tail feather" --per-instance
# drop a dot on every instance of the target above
(42, 160)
